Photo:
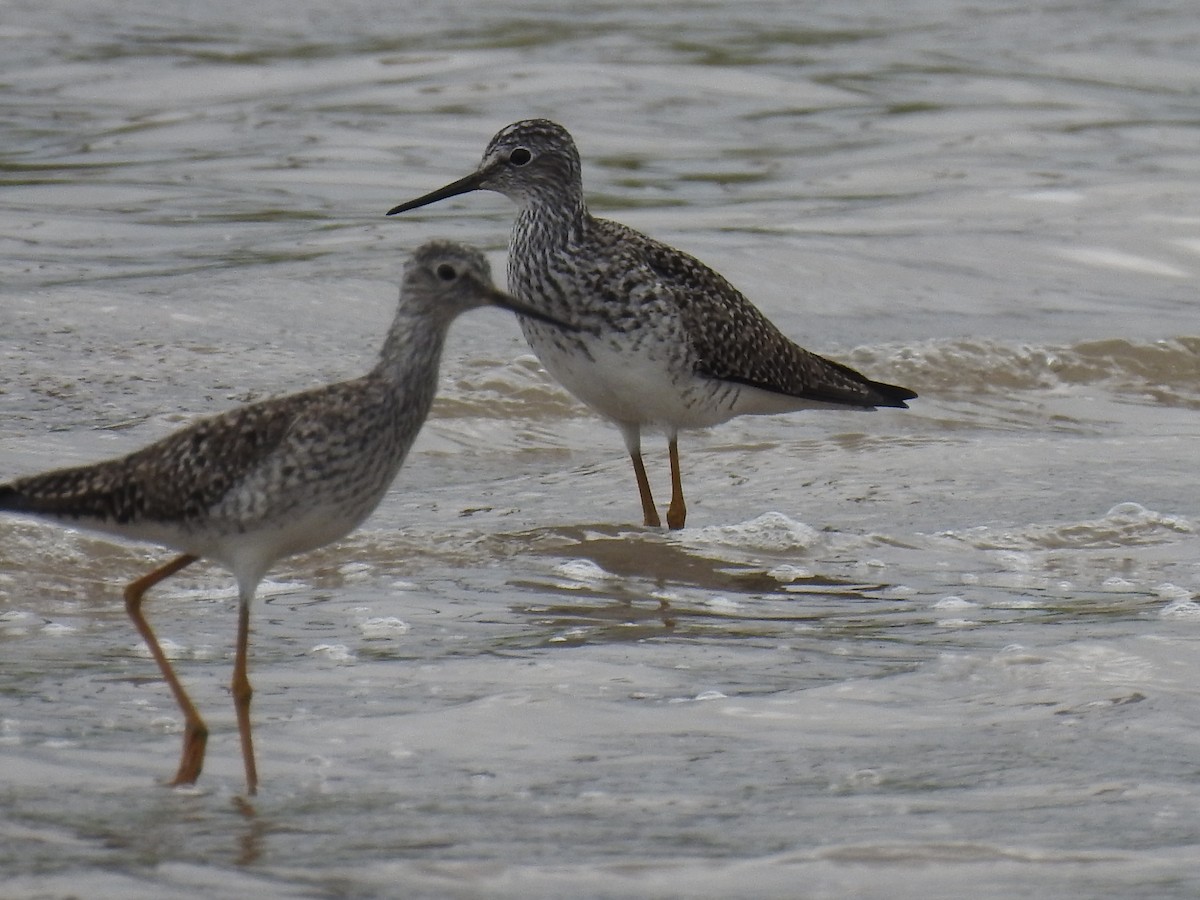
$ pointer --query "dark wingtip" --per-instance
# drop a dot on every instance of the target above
(9, 497)
(892, 395)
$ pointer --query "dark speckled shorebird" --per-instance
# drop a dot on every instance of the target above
(664, 342)
(250, 486)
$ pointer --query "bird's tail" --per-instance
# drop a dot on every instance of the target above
(891, 394)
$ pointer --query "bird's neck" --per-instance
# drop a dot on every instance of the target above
(411, 354)
(551, 222)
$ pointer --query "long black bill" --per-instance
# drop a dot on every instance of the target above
(511, 303)
(453, 189)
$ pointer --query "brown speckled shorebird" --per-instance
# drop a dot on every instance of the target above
(250, 486)
(664, 342)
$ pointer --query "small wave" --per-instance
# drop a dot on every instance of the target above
(1125, 525)
(772, 531)
(1165, 372)
(517, 389)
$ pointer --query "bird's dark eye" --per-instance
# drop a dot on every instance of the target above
(520, 156)
(446, 272)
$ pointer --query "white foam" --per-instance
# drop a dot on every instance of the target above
(1130, 513)
(58, 628)
(1181, 609)
(383, 627)
(338, 653)
(770, 531)
(572, 634)
(1119, 585)
(1169, 591)
(721, 604)
(171, 649)
(954, 603)
(788, 573)
(355, 571)
(581, 572)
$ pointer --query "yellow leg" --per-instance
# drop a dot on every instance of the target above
(241, 695)
(649, 513)
(677, 511)
(195, 732)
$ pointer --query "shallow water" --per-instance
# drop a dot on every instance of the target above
(905, 654)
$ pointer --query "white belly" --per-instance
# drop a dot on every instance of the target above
(631, 386)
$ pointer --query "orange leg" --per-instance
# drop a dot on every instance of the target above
(649, 513)
(241, 696)
(195, 732)
(677, 511)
